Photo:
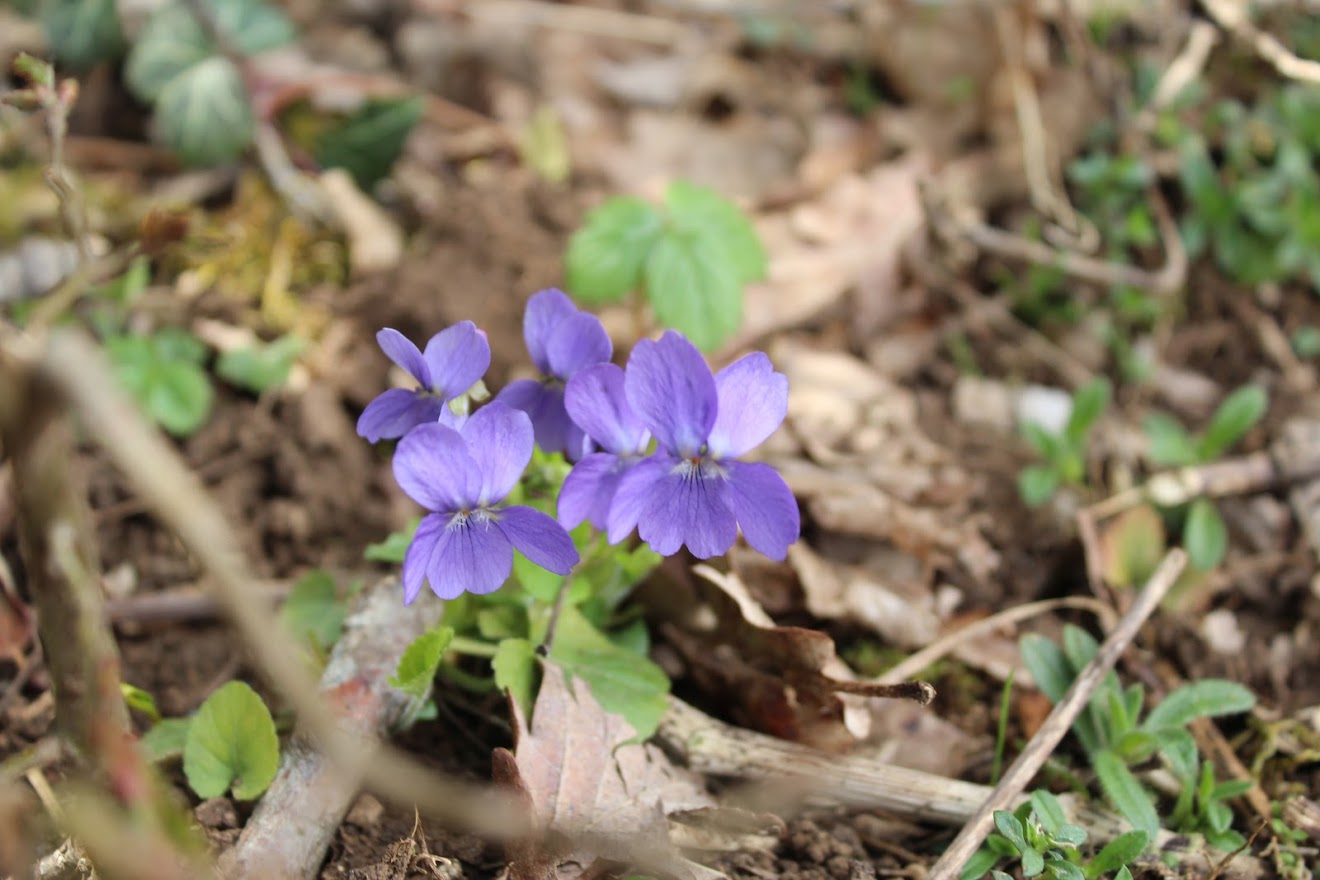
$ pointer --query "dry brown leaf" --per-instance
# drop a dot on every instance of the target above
(607, 797)
(782, 680)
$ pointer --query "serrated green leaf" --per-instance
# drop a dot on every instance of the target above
(703, 213)
(1125, 792)
(313, 611)
(1169, 444)
(82, 32)
(231, 741)
(170, 43)
(693, 289)
(165, 740)
(1037, 484)
(260, 368)
(1117, 853)
(1234, 417)
(1205, 536)
(621, 681)
(605, 257)
(421, 660)
(162, 372)
(367, 144)
(515, 671)
(204, 113)
(1208, 698)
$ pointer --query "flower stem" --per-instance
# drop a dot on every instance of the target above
(471, 647)
(543, 649)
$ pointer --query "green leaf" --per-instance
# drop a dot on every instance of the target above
(1070, 835)
(313, 612)
(165, 740)
(1169, 443)
(1088, 404)
(1232, 788)
(162, 372)
(262, 367)
(420, 660)
(1037, 484)
(82, 32)
(1010, 827)
(1234, 417)
(1179, 749)
(1205, 536)
(515, 671)
(979, 864)
(231, 741)
(703, 213)
(140, 701)
(621, 681)
(1208, 698)
(605, 257)
(394, 547)
(172, 40)
(367, 143)
(693, 288)
(1125, 792)
(1117, 853)
(1046, 444)
(1132, 546)
(1047, 665)
(1048, 810)
(204, 113)
(1135, 746)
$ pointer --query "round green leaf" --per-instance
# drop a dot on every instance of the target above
(231, 740)
(1205, 536)
(1036, 484)
(703, 213)
(204, 113)
(179, 397)
(82, 32)
(694, 289)
(605, 257)
(171, 42)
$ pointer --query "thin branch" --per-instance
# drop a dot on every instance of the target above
(1232, 17)
(1057, 724)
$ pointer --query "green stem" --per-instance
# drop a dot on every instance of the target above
(472, 647)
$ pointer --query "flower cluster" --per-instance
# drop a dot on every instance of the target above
(654, 446)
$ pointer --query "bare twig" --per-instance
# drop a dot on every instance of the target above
(1184, 69)
(293, 825)
(78, 371)
(1232, 17)
(1056, 725)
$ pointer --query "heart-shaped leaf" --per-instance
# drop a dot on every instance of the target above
(605, 257)
(231, 741)
(204, 114)
(694, 288)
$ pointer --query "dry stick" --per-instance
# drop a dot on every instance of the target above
(77, 369)
(1232, 17)
(915, 663)
(790, 772)
(293, 826)
(1060, 719)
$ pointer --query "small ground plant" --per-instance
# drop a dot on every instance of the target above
(1063, 452)
(1116, 738)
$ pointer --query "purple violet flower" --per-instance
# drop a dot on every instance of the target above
(466, 543)
(561, 339)
(454, 360)
(691, 491)
(596, 400)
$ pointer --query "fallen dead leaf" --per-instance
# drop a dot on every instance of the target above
(601, 795)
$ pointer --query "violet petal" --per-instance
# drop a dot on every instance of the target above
(576, 342)
(474, 557)
(400, 349)
(499, 440)
(457, 356)
(538, 537)
(634, 493)
(597, 403)
(753, 400)
(765, 508)
(545, 309)
(418, 558)
(589, 489)
(688, 509)
(432, 465)
(671, 389)
(396, 412)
